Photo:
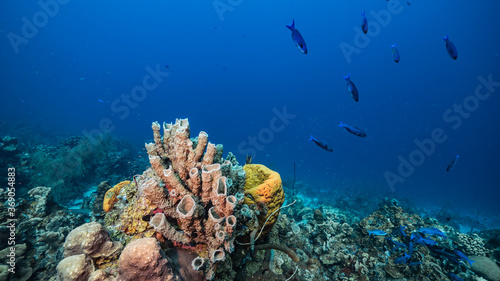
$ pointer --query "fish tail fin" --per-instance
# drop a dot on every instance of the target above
(292, 26)
(341, 124)
(445, 38)
(347, 77)
(311, 138)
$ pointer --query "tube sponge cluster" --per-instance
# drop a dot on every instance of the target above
(194, 190)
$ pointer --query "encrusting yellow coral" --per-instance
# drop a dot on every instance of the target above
(110, 197)
(263, 187)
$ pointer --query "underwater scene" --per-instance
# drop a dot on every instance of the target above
(249, 140)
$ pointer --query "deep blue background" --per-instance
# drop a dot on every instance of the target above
(228, 73)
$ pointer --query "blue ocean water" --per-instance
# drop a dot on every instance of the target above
(82, 67)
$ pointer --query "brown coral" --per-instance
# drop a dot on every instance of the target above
(143, 259)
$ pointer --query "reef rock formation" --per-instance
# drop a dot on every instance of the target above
(75, 268)
(91, 239)
(143, 259)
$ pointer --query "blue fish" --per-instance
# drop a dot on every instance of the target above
(450, 48)
(455, 277)
(352, 88)
(377, 232)
(414, 263)
(297, 38)
(401, 230)
(402, 259)
(395, 54)
(431, 231)
(410, 248)
(452, 164)
(396, 244)
(321, 143)
(364, 24)
(353, 130)
(463, 257)
(417, 239)
(443, 252)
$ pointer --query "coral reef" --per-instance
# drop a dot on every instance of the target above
(76, 161)
(193, 215)
(43, 226)
(8, 147)
(471, 244)
(191, 198)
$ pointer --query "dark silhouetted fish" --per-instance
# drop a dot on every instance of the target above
(297, 38)
(395, 54)
(452, 164)
(353, 130)
(352, 88)
(364, 24)
(450, 48)
(321, 143)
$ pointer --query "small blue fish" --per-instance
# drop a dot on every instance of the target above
(452, 164)
(431, 231)
(417, 239)
(364, 24)
(463, 257)
(450, 48)
(395, 54)
(352, 88)
(402, 259)
(297, 38)
(101, 101)
(401, 230)
(443, 252)
(395, 243)
(455, 277)
(353, 130)
(410, 248)
(377, 232)
(321, 143)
